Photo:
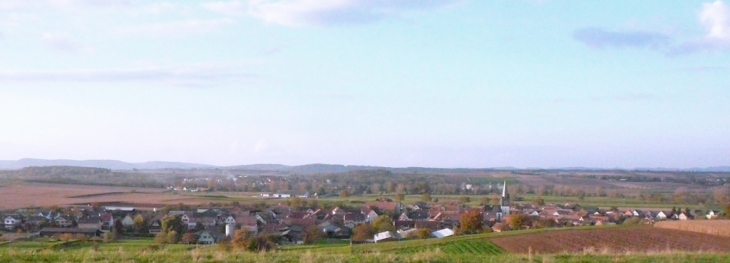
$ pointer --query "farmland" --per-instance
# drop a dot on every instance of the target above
(711, 227)
(475, 248)
(47, 195)
(640, 239)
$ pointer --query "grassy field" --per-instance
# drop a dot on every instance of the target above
(469, 248)
(212, 255)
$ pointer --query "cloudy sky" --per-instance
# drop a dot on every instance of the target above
(436, 83)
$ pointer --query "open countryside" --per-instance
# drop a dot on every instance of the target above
(325, 213)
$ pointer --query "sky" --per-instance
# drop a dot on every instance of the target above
(429, 83)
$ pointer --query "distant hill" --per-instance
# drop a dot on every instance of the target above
(108, 164)
(305, 169)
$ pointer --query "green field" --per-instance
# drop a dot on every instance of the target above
(468, 248)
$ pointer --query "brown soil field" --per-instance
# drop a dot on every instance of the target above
(46, 195)
(711, 227)
(643, 239)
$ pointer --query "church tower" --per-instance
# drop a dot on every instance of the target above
(504, 200)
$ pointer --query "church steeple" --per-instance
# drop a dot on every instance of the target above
(505, 200)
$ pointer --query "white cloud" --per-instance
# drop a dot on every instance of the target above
(73, 4)
(227, 8)
(192, 76)
(62, 43)
(715, 17)
(179, 28)
(336, 12)
(161, 8)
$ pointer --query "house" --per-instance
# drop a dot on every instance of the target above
(404, 224)
(384, 237)
(391, 207)
(334, 230)
(63, 221)
(91, 222)
(446, 232)
(404, 217)
(291, 193)
(712, 214)
(432, 225)
(660, 216)
(155, 227)
(12, 221)
(683, 216)
(37, 220)
(209, 236)
(370, 215)
(419, 215)
(533, 213)
(128, 221)
(352, 220)
(107, 221)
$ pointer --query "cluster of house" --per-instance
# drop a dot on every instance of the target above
(86, 220)
(211, 225)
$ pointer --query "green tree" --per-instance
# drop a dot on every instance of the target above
(363, 232)
(173, 223)
(189, 238)
(517, 221)
(312, 234)
(241, 238)
(383, 223)
(140, 224)
(172, 237)
(471, 222)
(423, 233)
(161, 238)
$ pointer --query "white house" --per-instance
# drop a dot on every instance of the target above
(128, 221)
(11, 222)
(712, 214)
(230, 220)
(383, 236)
(682, 216)
(446, 232)
(206, 238)
(661, 216)
(369, 217)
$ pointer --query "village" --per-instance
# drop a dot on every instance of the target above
(295, 221)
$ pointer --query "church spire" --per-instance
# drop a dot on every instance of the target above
(504, 189)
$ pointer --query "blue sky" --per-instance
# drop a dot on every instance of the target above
(451, 83)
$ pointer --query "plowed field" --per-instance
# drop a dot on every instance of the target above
(613, 240)
(710, 227)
